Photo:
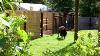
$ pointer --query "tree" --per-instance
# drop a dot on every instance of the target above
(60, 5)
(87, 7)
(98, 6)
(76, 19)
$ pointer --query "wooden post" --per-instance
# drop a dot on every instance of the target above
(46, 23)
(53, 26)
(76, 20)
(41, 24)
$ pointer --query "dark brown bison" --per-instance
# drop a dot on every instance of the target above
(62, 31)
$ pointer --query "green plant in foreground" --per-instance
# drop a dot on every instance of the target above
(10, 33)
(85, 46)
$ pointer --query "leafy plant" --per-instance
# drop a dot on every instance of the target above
(85, 46)
(10, 33)
(8, 5)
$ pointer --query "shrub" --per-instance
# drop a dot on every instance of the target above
(10, 33)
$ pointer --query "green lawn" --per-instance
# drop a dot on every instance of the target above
(52, 43)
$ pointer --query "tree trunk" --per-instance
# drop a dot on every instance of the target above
(76, 19)
(99, 30)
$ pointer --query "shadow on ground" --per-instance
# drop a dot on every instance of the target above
(59, 39)
(60, 52)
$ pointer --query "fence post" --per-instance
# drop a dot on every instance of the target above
(41, 24)
(53, 25)
(46, 23)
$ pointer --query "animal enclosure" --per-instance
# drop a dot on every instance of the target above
(51, 21)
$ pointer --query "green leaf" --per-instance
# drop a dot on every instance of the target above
(22, 34)
(2, 15)
(4, 22)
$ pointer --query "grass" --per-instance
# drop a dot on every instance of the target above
(51, 43)
(54, 44)
(40, 45)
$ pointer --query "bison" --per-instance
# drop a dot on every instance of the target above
(62, 31)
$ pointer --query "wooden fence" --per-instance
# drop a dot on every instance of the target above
(51, 21)
(33, 21)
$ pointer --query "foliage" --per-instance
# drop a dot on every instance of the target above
(10, 33)
(98, 7)
(23, 34)
(85, 46)
(89, 8)
(60, 5)
(8, 5)
(99, 39)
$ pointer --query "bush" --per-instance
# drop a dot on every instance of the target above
(10, 33)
